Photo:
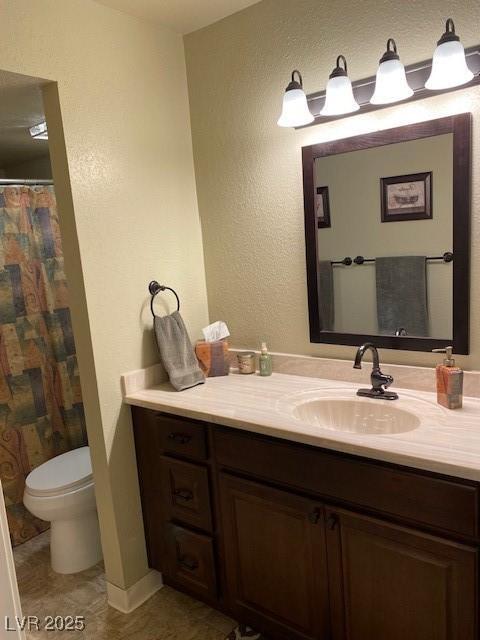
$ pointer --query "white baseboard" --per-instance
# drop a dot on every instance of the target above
(126, 600)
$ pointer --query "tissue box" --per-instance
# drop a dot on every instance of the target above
(213, 357)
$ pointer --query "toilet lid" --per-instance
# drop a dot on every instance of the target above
(66, 472)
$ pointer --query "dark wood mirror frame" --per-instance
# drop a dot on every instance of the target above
(460, 126)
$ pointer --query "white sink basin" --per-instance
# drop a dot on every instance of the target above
(356, 416)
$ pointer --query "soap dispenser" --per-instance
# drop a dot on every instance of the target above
(265, 361)
(449, 381)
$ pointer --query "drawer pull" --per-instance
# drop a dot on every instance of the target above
(184, 494)
(180, 438)
(332, 521)
(189, 563)
(314, 515)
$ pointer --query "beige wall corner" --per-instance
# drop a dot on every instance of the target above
(81, 327)
(131, 216)
(126, 600)
(249, 170)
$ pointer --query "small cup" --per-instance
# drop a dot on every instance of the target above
(246, 362)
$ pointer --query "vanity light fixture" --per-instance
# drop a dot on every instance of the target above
(295, 111)
(339, 98)
(449, 66)
(391, 82)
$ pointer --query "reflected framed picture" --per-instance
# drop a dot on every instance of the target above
(407, 197)
(322, 207)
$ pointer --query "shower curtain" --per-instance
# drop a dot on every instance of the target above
(41, 410)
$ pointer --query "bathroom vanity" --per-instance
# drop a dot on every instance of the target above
(290, 503)
(296, 536)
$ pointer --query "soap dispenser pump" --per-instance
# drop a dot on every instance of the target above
(449, 381)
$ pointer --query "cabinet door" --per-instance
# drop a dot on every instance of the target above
(389, 582)
(275, 560)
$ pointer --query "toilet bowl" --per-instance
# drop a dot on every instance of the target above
(61, 491)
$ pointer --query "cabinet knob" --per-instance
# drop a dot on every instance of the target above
(314, 515)
(180, 438)
(189, 563)
(184, 494)
(332, 521)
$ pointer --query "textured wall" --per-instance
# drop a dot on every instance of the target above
(248, 170)
(132, 208)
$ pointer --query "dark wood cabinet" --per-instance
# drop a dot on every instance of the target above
(189, 560)
(421, 499)
(182, 437)
(186, 493)
(308, 544)
(174, 476)
(275, 559)
(390, 582)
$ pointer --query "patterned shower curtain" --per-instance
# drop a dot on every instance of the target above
(41, 410)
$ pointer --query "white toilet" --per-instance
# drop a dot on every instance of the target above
(61, 491)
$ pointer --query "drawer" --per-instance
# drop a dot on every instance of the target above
(186, 493)
(190, 560)
(436, 501)
(183, 437)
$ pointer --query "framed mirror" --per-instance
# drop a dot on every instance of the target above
(387, 235)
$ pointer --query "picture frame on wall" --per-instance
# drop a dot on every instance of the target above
(407, 197)
(322, 207)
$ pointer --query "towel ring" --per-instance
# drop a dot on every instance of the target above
(154, 287)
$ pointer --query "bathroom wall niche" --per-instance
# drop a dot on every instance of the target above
(393, 265)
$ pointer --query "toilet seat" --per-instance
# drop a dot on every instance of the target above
(65, 473)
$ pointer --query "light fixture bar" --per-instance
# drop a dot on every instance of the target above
(417, 74)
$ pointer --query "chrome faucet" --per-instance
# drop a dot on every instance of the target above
(380, 381)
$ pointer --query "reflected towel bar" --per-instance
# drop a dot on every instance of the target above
(347, 261)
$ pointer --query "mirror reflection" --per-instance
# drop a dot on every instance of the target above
(384, 225)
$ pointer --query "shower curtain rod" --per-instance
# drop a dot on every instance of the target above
(24, 181)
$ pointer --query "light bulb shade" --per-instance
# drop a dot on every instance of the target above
(391, 83)
(449, 67)
(295, 111)
(339, 97)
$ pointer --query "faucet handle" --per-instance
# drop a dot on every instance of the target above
(380, 380)
(388, 380)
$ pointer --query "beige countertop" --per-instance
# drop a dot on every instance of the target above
(446, 441)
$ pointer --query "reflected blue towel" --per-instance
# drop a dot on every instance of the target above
(326, 302)
(402, 295)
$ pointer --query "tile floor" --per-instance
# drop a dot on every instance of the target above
(168, 615)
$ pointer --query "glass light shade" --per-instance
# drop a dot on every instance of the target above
(339, 98)
(295, 111)
(449, 67)
(391, 83)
